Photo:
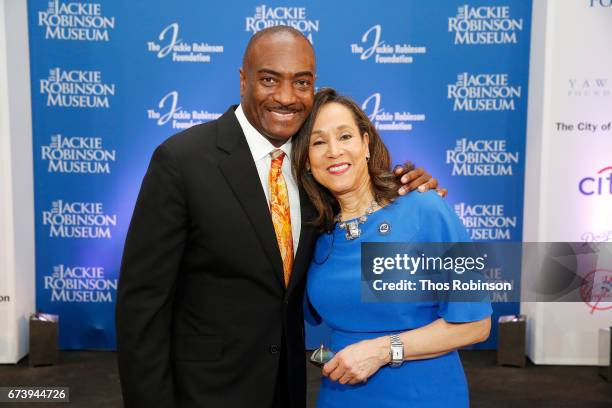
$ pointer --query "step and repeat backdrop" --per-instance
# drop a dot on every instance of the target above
(444, 82)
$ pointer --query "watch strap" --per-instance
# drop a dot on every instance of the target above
(397, 351)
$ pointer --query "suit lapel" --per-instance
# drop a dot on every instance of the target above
(241, 174)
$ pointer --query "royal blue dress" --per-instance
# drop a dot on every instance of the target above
(334, 291)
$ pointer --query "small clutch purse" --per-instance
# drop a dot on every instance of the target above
(321, 356)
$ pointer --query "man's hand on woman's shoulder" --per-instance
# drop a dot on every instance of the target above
(413, 178)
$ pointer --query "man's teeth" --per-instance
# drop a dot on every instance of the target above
(282, 113)
(338, 168)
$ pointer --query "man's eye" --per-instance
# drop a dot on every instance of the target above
(303, 83)
(268, 80)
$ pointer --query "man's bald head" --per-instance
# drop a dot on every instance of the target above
(268, 33)
(277, 82)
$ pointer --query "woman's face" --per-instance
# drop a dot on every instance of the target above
(337, 151)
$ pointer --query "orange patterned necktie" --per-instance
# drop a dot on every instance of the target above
(279, 208)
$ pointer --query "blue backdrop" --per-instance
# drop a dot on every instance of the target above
(445, 83)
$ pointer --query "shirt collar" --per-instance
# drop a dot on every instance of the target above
(259, 146)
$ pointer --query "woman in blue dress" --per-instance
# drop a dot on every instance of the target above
(388, 354)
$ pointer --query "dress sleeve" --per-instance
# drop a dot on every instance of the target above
(443, 225)
(463, 312)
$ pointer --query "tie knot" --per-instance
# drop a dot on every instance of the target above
(277, 157)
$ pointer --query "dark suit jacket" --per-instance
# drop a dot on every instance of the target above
(202, 308)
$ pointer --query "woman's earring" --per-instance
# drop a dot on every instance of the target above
(367, 157)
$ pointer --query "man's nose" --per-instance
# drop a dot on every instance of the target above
(285, 94)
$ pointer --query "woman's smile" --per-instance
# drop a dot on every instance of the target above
(338, 169)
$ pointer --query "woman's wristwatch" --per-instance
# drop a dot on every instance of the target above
(397, 351)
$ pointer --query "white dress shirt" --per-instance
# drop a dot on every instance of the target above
(260, 150)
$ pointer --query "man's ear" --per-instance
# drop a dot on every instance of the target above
(242, 81)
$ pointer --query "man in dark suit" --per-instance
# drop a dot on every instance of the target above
(209, 307)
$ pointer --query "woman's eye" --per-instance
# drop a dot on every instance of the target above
(317, 142)
(345, 136)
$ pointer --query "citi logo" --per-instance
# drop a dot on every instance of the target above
(599, 184)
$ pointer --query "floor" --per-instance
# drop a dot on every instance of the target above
(94, 382)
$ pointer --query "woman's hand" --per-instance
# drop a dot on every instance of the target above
(356, 363)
